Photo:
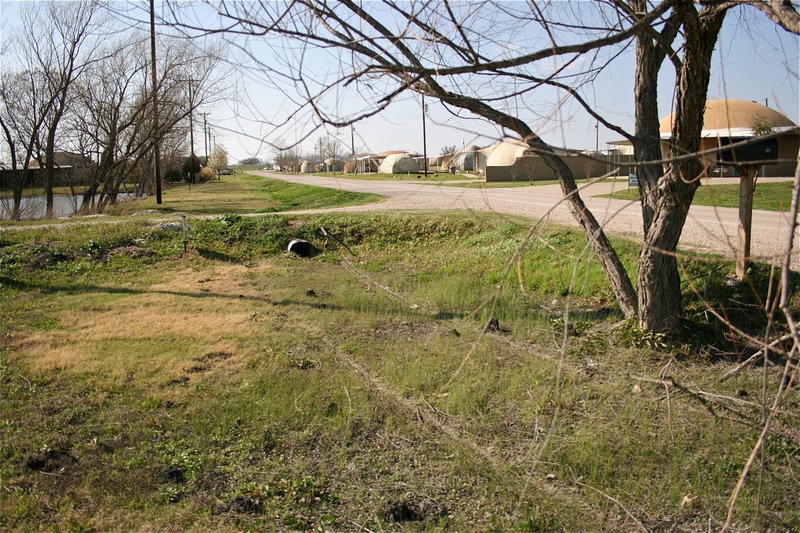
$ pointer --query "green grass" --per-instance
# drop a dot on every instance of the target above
(243, 193)
(767, 196)
(235, 387)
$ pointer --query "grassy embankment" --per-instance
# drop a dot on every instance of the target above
(237, 388)
(767, 196)
(243, 193)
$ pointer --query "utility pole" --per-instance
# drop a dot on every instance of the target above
(424, 138)
(353, 139)
(205, 135)
(597, 137)
(191, 133)
(155, 100)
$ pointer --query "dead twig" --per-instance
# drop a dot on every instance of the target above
(755, 357)
(616, 501)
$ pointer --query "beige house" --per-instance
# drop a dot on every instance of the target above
(398, 163)
(513, 160)
(727, 121)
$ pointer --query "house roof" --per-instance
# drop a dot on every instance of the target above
(733, 118)
(506, 152)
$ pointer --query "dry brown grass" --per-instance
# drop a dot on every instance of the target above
(203, 307)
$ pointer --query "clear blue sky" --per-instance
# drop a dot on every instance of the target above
(754, 60)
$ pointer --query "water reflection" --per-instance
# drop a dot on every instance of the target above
(34, 207)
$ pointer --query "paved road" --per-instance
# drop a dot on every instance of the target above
(708, 229)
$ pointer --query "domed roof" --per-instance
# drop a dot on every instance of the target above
(506, 152)
(727, 118)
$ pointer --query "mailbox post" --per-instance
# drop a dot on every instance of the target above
(747, 160)
(746, 189)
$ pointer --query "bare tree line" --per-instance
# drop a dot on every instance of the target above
(85, 90)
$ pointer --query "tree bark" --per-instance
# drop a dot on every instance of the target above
(658, 277)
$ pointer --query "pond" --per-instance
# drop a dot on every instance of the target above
(34, 207)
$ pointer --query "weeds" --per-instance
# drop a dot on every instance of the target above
(233, 388)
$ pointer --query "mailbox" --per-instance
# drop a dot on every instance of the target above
(761, 152)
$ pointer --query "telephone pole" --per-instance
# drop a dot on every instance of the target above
(424, 139)
(156, 131)
(191, 133)
(205, 134)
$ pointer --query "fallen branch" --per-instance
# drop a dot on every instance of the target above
(753, 358)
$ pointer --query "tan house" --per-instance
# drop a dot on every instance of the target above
(513, 160)
(731, 121)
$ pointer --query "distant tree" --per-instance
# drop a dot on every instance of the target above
(61, 58)
(207, 173)
(760, 125)
(447, 155)
(186, 168)
(24, 106)
(218, 159)
(286, 157)
(251, 161)
(449, 150)
(111, 115)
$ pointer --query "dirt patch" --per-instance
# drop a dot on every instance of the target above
(47, 259)
(240, 505)
(412, 509)
(171, 474)
(211, 357)
(135, 252)
(51, 461)
(227, 279)
(165, 312)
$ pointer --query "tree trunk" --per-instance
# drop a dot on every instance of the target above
(658, 281)
(658, 278)
(650, 54)
(20, 178)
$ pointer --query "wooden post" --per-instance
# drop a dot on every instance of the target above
(746, 187)
(185, 226)
(156, 130)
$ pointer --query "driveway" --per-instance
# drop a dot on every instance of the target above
(707, 229)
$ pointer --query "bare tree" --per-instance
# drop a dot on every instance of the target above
(286, 157)
(25, 106)
(447, 155)
(61, 59)
(112, 113)
(452, 52)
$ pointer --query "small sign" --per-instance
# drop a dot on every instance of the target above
(633, 180)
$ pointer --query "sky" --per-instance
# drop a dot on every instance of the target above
(754, 60)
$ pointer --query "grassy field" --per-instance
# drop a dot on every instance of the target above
(767, 196)
(243, 193)
(236, 387)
